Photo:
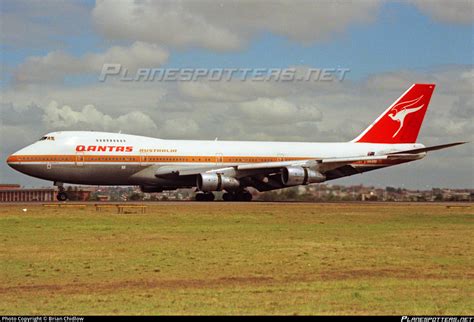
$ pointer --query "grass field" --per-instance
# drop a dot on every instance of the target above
(238, 258)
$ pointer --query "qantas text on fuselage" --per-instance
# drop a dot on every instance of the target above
(103, 148)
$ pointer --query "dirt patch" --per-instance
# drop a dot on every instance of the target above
(224, 282)
(140, 284)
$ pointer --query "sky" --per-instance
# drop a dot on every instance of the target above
(52, 53)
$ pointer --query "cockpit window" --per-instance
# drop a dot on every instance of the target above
(51, 138)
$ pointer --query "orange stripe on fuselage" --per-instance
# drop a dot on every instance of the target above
(148, 158)
(174, 158)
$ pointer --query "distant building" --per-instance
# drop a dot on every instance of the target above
(14, 192)
(103, 198)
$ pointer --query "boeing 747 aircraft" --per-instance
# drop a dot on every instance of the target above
(99, 158)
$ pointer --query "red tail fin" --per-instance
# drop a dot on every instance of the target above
(401, 122)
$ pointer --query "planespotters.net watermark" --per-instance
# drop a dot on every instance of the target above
(437, 319)
(122, 73)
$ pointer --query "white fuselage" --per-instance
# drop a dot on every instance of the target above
(100, 158)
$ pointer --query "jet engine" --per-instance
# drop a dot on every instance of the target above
(216, 182)
(295, 176)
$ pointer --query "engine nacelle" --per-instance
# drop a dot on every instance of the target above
(216, 182)
(295, 176)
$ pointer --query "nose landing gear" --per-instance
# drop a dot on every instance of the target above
(62, 195)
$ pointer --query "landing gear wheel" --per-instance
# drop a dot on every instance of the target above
(247, 196)
(208, 196)
(228, 196)
(61, 196)
(244, 196)
(237, 196)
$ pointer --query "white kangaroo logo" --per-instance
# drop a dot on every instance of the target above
(401, 110)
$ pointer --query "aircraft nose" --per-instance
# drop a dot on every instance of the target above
(12, 160)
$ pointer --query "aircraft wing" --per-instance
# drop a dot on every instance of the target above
(239, 170)
(332, 168)
(321, 164)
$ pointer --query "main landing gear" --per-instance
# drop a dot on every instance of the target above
(62, 195)
(227, 196)
(205, 196)
(243, 195)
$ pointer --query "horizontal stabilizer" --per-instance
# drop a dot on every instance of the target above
(429, 148)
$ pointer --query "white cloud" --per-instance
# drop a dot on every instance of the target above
(49, 68)
(113, 98)
(65, 117)
(42, 24)
(227, 25)
(56, 65)
(236, 90)
(278, 111)
(456, 11)
(232, 91)
(448, 79)
(160, 22)
(204, 91)
(138, 55)
(180, 128)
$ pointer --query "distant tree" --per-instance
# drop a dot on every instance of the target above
(269, 196)
(135, 196)
(290, 194)
(72, 193)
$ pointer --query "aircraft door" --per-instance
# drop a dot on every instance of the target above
(79, 159)
(143, 159)
(219, 159)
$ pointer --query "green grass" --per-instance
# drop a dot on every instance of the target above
(221, 258)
